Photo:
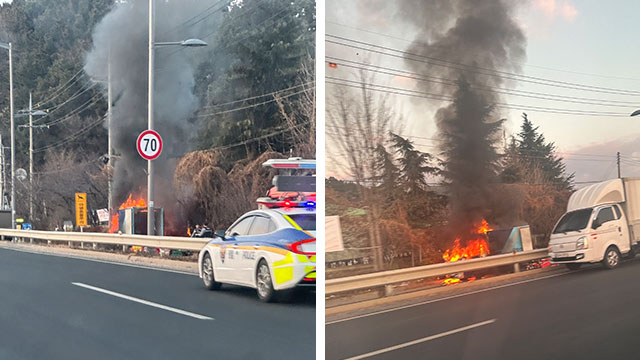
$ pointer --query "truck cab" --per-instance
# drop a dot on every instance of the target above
(585, 235)
(602, 223)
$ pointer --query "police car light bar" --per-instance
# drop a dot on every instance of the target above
(291, 163)
(274, 203)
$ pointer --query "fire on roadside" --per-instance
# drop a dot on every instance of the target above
(477, 246)
(137, 201)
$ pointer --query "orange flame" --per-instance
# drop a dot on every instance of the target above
(478, 247)
(450, 281)
(138, 201)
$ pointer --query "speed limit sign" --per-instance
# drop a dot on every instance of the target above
(149, 144)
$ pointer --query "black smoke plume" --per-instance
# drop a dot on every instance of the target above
(121, 38)
(468, 43)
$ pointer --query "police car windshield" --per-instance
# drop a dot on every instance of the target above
(306, 221)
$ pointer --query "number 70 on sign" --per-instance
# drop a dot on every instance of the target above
(149, 144)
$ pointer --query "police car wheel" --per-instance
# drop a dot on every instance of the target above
(207, 274)
(264, 285)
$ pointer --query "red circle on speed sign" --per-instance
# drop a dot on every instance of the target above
(149, 144)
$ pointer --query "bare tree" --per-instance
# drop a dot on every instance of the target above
(299, 113)
(357, 122)
(64, 174)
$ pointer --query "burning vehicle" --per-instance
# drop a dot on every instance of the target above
(517, 238)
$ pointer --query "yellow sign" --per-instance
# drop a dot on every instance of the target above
(81, 209)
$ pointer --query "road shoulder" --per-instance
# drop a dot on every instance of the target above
(180, 266)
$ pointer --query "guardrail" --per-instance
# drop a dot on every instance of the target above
(384, 278)
(164, 242)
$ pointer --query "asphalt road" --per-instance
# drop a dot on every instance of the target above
(121, 312)
(588, 314)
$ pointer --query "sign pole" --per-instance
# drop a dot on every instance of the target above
(150, 217)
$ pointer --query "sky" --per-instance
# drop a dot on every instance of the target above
(586, 42)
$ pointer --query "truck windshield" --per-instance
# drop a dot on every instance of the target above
(573, 221)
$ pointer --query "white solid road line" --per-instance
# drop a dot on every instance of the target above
(141, 301)
(444, 298)
(425, 339)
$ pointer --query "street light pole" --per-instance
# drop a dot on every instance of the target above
(150, 168)
(150, 217)
(13, 142)
(13, 138)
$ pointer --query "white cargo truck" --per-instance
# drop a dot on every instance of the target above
(602, 224)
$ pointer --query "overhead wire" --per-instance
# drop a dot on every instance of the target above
(414, 93)
(72, 137)
(252, 105)
(477, 69)
(526, 64)
(500, 90)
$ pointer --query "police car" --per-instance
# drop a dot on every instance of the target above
(272, 249)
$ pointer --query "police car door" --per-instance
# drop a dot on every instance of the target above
(226, 261)
(248, 247)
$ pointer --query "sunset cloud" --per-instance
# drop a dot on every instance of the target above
(553, 8)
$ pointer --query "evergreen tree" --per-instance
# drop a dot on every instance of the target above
(530, 159)
(388, 173)
(269, 44)
(414, 165)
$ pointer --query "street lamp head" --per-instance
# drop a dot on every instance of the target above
(5, 45)
(26, 113)
(193, 43)
(637, 112)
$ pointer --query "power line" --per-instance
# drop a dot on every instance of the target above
(531, 108)
(59, 92)
(260, 96)
(253, 105)
(216, 30)
(92, 101)
(184, 23)
(505, 91)
(61, 88)
(59, 106)
(528, 65)
(71, 137)
(486, 72)
(248, 141)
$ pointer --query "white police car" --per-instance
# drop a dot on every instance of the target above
(272, 250)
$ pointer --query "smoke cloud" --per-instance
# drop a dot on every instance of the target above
(121, 38)
(466, 41)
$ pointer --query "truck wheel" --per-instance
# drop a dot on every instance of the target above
(574, 266)
(611, 257)
(264, 283)
(207, 274)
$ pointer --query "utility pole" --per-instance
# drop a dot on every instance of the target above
(13, 142)
(30, 159)
(30, 113)
(109, 112)
(618, 162)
